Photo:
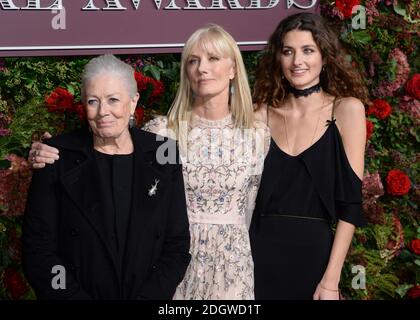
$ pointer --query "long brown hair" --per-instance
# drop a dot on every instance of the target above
(338, 77)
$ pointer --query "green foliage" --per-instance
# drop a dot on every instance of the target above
(35, 77)
(30, 119)
(391, 270)
(166, 70)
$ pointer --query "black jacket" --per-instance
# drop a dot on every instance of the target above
(63, 225)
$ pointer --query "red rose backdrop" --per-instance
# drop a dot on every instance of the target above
(381, 109)
(385, 53)
(43, 94)
(398, 184)
(413, 86)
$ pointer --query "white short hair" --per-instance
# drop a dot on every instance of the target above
(108, 63)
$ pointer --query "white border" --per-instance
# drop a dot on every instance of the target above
(116, 46)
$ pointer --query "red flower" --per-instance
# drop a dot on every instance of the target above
(415, 246)
(80, 109)
(369, 129)
(397, 183)
(346, 6)
(413, 86)
(414, 292)
(14, 283)
(158, 89)
(380, 109)
(59, 100)
(139, 115)
(150, 89)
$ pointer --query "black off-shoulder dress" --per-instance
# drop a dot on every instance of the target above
(299, 199)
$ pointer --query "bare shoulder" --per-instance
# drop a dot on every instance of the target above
(349, 107)
(349, 112)
(260, 112)
(351, 122)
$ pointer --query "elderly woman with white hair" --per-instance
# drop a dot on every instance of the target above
(107, 220)
(222, 146)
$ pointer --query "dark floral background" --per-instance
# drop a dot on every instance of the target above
(43, 94)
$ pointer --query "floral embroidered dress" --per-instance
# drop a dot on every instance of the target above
(222, 169)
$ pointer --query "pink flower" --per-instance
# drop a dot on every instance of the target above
(4, 132)
(374, 211)
(372, 189)
(371, 10)
(399, 235)
(14, 185)
(372, 186)
(332, 11)
(411, 106)
(386, 87)
(5, 120)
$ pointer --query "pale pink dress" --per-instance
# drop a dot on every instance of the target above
(222, 171)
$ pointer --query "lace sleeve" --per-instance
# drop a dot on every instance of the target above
(262, 144)
(158, 125)
(263, 136)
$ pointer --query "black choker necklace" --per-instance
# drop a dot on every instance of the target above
(305, 92)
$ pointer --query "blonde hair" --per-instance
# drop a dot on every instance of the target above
(212, 37)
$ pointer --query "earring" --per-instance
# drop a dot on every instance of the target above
(282, 77)
(132, 122)
(231, 92)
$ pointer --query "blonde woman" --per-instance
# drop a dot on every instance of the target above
(223, 149)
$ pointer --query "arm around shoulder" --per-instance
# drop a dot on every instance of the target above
(157, 125)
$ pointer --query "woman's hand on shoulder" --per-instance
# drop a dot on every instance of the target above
(351, 122)
(41, 154)
(157, 125)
